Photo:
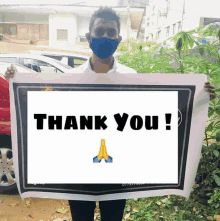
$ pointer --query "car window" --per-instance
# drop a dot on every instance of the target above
(27, 62)
(46, 67)
(13, 60)
(78, 62)
(64, 65)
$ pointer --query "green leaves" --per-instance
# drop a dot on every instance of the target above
(179, 44)
(201, 51)
(218, 136)
(216, 153)
(61, 211)
(217, 179)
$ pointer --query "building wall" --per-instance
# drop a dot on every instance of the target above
(62, 22)
(166, 15)
(82, 25)
(124, 30)
(25, 27)
(133, 3)
(24, 18)
(32, 32)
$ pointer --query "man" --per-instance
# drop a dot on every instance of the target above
(103, 38)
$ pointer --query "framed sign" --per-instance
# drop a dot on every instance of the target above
(104, 137)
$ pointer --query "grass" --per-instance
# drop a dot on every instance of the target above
(167, 208)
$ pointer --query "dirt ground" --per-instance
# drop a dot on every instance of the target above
(12, 208)
(24, 47)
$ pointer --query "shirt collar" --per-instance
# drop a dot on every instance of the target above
(114, 67)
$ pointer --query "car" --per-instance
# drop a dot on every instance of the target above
(73, 60)
(37, 63)
(7, 176)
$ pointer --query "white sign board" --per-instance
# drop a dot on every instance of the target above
(107, 136)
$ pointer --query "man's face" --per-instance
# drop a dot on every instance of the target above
(104, 28)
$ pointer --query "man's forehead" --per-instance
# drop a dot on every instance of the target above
(102, 22)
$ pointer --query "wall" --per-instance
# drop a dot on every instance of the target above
(191, 19)
(123, 31)
(82, 25)
(24, 18)
(62, 21)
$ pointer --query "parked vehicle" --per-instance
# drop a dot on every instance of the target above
(36, 62)
(73, 60)
(7, 176)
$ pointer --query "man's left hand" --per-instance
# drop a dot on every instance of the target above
(210, 89)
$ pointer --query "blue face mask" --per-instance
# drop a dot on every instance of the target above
(104, 47)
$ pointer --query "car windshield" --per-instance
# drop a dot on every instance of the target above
(64, 65)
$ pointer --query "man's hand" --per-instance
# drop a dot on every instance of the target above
(10, 72)
(210, 89)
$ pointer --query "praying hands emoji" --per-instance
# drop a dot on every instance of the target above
(102, 154)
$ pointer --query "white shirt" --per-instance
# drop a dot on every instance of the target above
(117, 68)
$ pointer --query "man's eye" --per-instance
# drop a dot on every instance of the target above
(111, 32)
(100, 32)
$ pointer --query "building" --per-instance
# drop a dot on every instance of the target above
(165, 18)
(133, 3)
(61, 25)
(141, 26)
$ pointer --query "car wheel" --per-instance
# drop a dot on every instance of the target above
(7, 175)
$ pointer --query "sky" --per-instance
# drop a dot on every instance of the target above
(87, 2)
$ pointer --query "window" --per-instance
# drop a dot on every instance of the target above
(179, 26)
(62, 35)
(82, 39)
(168, 6)
(167, 31)
(27, 62)
(158, 34)
(39, 66)
(174, 29)
(147, 39)
(45, 67)
(13, 30)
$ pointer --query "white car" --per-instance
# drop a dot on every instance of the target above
(36, 62)
(20, 68)
(73, 60)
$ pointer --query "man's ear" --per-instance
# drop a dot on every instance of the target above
(87, 37)
(119, 39)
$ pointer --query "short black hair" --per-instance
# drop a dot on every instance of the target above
(106, 13)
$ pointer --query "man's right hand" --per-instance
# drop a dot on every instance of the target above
(10, 72)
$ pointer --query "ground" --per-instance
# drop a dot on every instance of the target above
(12, 208)
(24, 47)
